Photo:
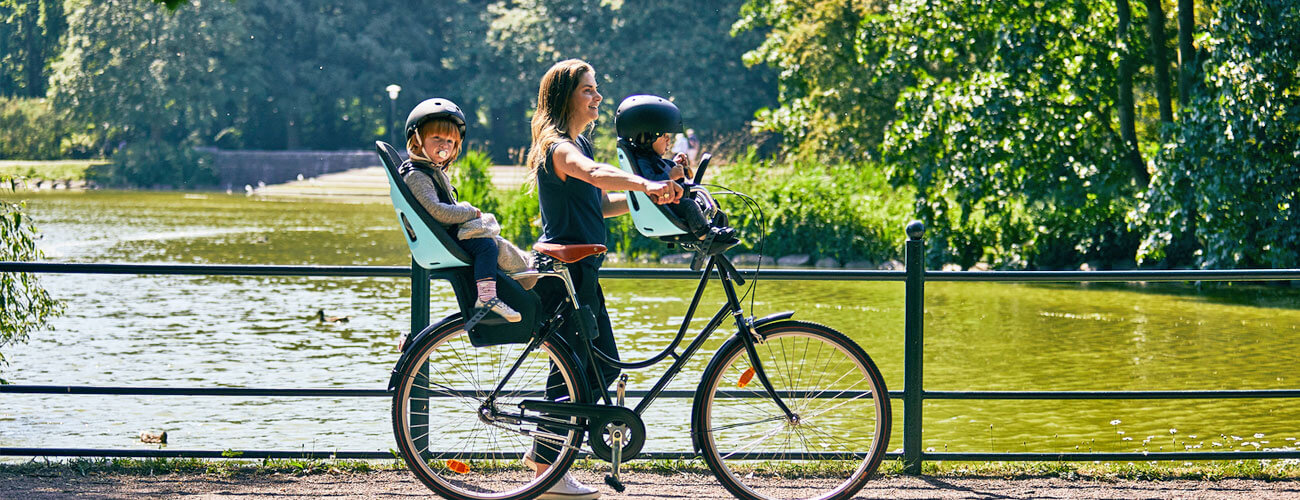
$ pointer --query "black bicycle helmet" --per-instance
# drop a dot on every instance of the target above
(432, 109)
(639, 115)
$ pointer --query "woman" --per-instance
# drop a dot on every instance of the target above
(573, 192)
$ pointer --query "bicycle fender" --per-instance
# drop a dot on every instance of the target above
(416, 339)
(773, 317)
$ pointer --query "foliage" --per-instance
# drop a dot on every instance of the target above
(999, 114)
(846, 211)
(30, 32)
(48, 170)
(1011, 147)
(1234, 157)
(25, 306)
(312, 73)
(156, 164)
(31, 129)
(835, 99)
(520, 216)
(473, 181)
(680, 50)
(113, 74)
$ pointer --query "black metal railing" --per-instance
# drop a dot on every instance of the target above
(913, 394)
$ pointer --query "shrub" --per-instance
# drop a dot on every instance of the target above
(30, 129)
(157, 164)
(473, 181)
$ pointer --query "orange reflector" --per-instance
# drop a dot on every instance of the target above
(746, 377)
(457, 466)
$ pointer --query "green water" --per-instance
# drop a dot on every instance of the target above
(261, 332)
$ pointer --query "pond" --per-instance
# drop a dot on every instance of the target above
(205, 331)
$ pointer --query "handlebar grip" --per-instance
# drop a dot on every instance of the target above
(699, 171)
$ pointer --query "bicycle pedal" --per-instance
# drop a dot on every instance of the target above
(614, 483)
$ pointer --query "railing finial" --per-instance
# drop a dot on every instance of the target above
(915, 230)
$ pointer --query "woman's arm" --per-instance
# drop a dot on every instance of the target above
(422, 187)
(569, 161)
(613, 204)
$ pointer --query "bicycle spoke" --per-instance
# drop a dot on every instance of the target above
(755, 451)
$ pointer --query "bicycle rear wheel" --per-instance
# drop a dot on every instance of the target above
(840, 432)
(437, 406)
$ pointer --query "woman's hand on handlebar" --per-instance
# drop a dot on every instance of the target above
(663, 193)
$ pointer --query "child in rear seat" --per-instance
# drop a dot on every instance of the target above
(435, 131)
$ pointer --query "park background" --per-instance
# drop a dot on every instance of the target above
(1026, 135)
(1038, 135)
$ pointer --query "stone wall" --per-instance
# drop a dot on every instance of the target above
(238, 168)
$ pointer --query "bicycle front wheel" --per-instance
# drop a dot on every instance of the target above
(444, 425)
(839, 430)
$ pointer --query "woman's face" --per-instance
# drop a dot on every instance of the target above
(439, 146)
(585, 102)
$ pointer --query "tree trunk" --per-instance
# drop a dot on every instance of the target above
(290, 132)
(1159, 58)
(1127, 127)
(1186, 53)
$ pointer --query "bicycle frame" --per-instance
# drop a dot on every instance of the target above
(745, 328)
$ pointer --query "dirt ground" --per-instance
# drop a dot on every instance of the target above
(398, 485)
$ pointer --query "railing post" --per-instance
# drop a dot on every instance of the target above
(419, 417)
(913, 346)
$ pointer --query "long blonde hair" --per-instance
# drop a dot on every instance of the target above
(551, 119)
(415, 143)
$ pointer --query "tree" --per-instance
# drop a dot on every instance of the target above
(145, 74)
(30, 36)
(1160, 59)
(1233, 157)
(25, 306)
(835, 99)
(1127, 117)
(674, 49)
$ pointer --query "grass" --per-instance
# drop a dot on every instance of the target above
(50, 170)
(1271, 470)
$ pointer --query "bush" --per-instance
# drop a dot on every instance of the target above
(473, 181)
(157, 164)
(847, 211)
(519, 216)
(30, 129)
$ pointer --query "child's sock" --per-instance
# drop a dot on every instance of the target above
(487, 289)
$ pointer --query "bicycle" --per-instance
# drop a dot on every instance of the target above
(784, 409)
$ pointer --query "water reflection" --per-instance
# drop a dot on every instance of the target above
(235, 331)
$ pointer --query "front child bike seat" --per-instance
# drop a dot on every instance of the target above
(650, 219)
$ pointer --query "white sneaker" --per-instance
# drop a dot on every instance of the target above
(569, 489)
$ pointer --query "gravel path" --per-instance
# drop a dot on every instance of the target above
(400, 485)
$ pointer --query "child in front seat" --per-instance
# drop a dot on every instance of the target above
(647, 124)
(435, 130)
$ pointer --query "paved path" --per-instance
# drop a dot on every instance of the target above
(399, 485)
(368, 184)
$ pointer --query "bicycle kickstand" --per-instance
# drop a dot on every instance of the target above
(616, 434)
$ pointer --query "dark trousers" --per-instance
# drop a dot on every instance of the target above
(484, 251)
(586, 282)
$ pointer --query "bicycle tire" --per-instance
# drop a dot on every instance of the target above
(827, 380)
(477, 460)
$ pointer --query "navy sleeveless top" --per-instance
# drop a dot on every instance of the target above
(570, 208)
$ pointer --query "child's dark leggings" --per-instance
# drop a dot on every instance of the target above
(484, 251)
